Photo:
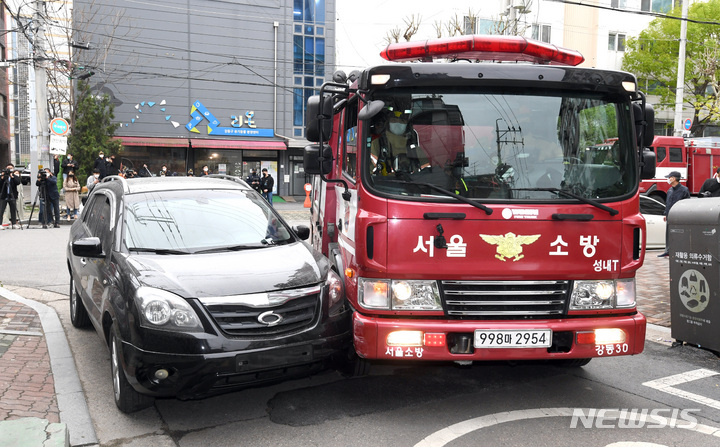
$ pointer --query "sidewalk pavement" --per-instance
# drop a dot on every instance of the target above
(41, 398)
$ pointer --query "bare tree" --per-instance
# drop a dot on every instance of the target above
(412, 24)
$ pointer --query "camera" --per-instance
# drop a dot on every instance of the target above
(129, 173)
(42, 175)
(7, 172)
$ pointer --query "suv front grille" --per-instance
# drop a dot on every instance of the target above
(240, 316)
(505, 299)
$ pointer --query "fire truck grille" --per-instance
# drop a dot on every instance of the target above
(242, 320)
(505, 299)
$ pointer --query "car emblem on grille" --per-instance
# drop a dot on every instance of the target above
(270, 318)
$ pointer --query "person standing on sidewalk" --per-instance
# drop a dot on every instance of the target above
(68, 164)
(9, 183)
(266, 186)
(72, 195)
(676, 193)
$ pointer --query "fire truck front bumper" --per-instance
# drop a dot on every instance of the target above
(453, 340)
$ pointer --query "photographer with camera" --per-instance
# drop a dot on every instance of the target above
(9, 182)
(47, 184)
(711, 186)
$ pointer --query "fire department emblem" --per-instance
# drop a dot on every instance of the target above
(509, 245)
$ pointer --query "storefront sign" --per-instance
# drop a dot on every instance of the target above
(199, 113)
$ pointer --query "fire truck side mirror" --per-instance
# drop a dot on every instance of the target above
(311, 160)
(371, 109)
(318, 118)
(644, 124)
(647, 164)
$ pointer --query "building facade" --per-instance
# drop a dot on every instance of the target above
(207, 83)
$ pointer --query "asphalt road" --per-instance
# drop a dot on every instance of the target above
(397, 404)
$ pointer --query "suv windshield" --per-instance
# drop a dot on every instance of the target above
(501, 144)
(192, 221)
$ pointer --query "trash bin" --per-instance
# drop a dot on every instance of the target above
(694, 239)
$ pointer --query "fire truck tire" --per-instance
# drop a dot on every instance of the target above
(352, 365)
(572, 363)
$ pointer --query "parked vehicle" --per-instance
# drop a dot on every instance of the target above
(198, 287)
(697, 159)
(459, 203)
(25, 175)
(652, 210)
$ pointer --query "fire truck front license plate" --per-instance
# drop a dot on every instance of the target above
(503, 338)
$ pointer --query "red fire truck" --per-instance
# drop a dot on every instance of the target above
(457, 202)
(697, 159)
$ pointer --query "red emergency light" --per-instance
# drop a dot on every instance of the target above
(483, 47)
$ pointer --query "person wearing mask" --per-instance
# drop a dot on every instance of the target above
(93, 180)
(52, 198)
(163, 171)
(68, 164)
(266, 185)
(711, 186)
(72, 195)
(394, 145)
(190, 173)
(676, 193)
(9, 182)
(101, 165)
(56, 166)
(253, 180)
(205, 171)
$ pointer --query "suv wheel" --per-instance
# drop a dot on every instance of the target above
(126, 398)
(78, 313)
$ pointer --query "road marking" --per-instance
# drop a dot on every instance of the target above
(667, 385)
(455, 431)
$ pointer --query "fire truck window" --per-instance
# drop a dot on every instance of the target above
(349, 143)
(676, 154)
(661, 154)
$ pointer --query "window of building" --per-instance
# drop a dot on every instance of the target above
(470, 24)
(308, 55)
(617, 3)
(3, 106)
(541, 32)
(616, 42)
(661, 6)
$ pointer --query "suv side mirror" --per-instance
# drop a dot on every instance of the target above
(89, 247)
(302, 231)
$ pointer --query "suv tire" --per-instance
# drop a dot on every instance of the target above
(78, 314)
(126, 398)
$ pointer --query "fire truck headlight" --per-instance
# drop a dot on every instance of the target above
(605, 294)
(415, 295)
(592, 295)
(374, 293)
(625, 291)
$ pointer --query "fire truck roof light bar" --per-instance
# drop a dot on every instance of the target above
(483, 47)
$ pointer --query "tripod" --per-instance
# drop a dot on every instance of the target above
(41, 194)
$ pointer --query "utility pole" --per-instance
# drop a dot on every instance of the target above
(37, 79)
(680, 90)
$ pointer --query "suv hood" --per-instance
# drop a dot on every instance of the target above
(231, 273)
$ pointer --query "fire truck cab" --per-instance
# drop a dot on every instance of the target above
(466, 206)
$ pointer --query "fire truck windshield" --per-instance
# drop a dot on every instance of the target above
(503, 144)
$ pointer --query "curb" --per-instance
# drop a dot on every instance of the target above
(74, 413)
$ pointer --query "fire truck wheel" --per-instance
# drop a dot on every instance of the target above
(572, 363)
(352, 365)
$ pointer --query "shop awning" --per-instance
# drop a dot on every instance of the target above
(239, 144)
(150, 141)
(204, 143)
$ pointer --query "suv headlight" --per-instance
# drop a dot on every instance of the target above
(407, 294)
(164, 310)
(603, 294)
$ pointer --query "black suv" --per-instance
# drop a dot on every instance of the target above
(199, 287)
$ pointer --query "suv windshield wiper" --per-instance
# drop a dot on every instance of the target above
(238, 247)
(567, 193)
(445, 192)
(160, 251)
